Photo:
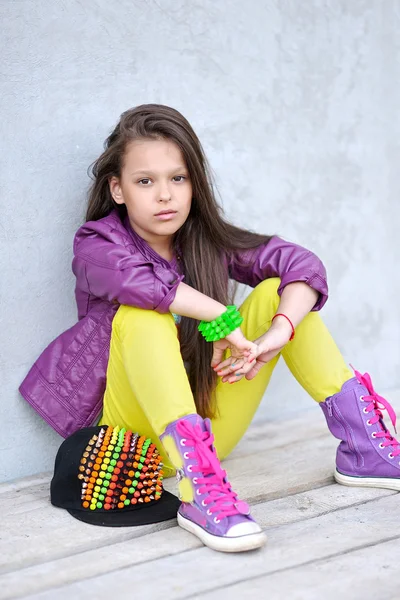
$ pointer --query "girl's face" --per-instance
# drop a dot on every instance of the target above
(154, 179)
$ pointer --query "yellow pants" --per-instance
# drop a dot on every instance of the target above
(147, 385)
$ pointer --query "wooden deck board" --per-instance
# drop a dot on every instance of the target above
(311, 523)
(293, 546)
(362, 574)
(113, 556)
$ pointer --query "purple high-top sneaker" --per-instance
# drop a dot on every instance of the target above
(367, 455)
(210, 509)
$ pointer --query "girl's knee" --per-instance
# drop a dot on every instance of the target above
(266, 293)
(269, 287)
(261, 305)
(139, 318)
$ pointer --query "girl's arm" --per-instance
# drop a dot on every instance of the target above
(188, 302)
(106, 267)
(279, 258)
(297, 301)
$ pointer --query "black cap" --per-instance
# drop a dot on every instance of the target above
(111, 477)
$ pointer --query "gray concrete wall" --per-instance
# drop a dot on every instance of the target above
(297, 105)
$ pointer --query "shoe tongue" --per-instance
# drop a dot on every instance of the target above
(352, 383)
(207, 425)
(195, 419)
(383, 426)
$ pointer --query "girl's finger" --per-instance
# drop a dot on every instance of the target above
(230, 368)
(247, 367)
(253, 372)
(241, 365)
(223, 364)
(232, 362)
(253, 353)
(232, 378)
(252, 357)
(241, 371)
(217, 356)
(237, 377)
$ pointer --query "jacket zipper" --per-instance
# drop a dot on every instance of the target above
(333, 412)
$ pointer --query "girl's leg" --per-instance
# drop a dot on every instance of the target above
(368, 455)
(148, 392)
(147, 385)
(315, 360)
(312, 357)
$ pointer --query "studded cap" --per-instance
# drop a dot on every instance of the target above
(112, 477)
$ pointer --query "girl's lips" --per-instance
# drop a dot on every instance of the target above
(165, 216)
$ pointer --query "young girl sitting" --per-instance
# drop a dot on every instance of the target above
(159, 342)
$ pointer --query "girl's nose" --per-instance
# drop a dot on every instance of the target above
(165, 194)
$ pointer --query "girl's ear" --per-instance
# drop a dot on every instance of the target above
(115, 189)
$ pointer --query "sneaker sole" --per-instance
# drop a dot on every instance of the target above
(375, 482)
(224, 544)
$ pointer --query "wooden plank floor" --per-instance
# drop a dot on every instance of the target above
(324, 540)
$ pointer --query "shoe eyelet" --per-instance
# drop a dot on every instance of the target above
(361, 398)
(390, 455)
(373, 434)
(198, 492)
(216, 520)
(194, 480)
(203, 503)
(381, 446)
(189, 468)
(210, 513)
(182, 442)
(365, 410)
(369, 423)
(186, 455)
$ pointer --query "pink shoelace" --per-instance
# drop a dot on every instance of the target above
(220, 494)
(377, 404)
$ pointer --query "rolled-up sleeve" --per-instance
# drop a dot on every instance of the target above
(113, 272)
(279, 258)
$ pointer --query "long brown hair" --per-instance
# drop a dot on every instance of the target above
(203, 239)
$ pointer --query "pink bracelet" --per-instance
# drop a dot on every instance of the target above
(291, 324)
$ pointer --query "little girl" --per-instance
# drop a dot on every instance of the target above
(159, 342)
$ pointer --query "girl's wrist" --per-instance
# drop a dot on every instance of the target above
(223, 326)
(281, 322)
(235, 336)
(278, 325)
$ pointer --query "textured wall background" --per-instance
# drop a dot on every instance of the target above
(297, 105)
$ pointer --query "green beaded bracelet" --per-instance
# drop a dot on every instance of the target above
(222, 326)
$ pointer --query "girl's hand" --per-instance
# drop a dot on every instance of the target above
(242, 350)
(268, 346)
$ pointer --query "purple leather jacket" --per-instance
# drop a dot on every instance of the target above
(113, 265)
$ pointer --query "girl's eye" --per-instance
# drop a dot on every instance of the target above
(146, 180)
